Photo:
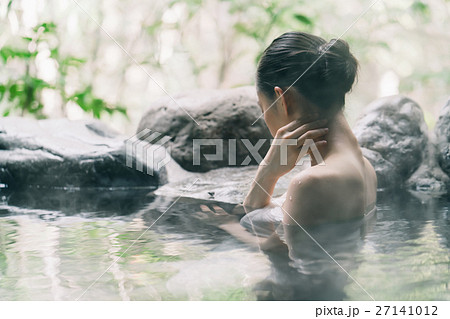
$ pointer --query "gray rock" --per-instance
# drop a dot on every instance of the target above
(429, 181)
(67, 154)
(387, 176)
(224, 185)
(394, 128)
(442, 131)
(429, 177)
(59, 202)
(220, 114)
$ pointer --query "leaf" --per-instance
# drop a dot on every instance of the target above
(39, 83)
(15, 90)
(35, 107)
(97, 107)
(46, 27)
(72, 61)
(8, 52)
(54, 53)
(80, 100)
(151, 29)
(2, 91)
(421, 8)
(122, 110)
(242, 28)
(303, 19)
(89, 103)
(383, 45)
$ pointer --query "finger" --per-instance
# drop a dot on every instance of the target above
(318, 139)
(219, 210)
(296, 123)
(205, 208)
(311, 135)
(321, 143)
(307, 127)
(201, 215)
(288, 127)
(212, 209)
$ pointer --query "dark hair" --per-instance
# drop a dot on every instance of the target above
(326, 70)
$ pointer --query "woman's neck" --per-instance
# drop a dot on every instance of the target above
(339, 138)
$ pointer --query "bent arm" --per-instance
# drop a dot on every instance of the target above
(270, 243)
(261, 189)
(273, 167)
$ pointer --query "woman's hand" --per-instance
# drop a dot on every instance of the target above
(281, 158)
(213, 214)
(287, 145)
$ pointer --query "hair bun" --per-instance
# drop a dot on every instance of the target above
(339, 63)
(327, 69)
(340, 47)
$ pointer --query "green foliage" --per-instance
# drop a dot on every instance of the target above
(23, 93)
(303, 19)
(173, 41)
(269, 17)
(91, 104)
(421, 9)
(7, 53)
(421, 77)
(193, 6)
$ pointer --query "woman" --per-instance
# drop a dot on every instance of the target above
(301, 84)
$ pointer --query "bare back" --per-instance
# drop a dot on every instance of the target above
(342, 189)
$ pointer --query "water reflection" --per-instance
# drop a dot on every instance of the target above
(403, 217)
(54, 243)
(310, 263)
(95, 202)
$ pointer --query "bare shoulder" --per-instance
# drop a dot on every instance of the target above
(322, 193)
(370, 171)
(372, 182)
(308, 195)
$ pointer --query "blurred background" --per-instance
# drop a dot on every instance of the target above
(82, 59)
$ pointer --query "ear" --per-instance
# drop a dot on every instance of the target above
(281, 99)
